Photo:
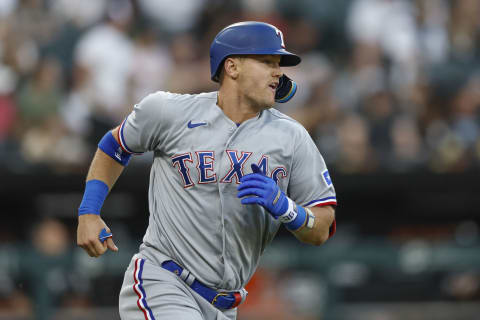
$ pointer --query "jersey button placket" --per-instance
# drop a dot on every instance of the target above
(224, 167)
(231, 132)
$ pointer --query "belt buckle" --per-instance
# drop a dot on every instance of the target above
(218, 295)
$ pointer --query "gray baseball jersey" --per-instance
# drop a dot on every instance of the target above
(200, 155)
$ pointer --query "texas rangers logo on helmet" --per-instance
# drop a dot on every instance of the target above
(280, 34)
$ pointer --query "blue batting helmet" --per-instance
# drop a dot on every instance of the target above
(248, 37)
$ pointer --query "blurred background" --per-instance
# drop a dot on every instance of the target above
(388, 89)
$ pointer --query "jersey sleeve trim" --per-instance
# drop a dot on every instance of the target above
(322, 202)
(123, 145)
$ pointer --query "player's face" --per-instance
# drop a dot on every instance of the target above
(259, 77)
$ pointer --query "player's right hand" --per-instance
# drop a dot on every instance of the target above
(89, 227)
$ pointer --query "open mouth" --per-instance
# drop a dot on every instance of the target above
(273, 85)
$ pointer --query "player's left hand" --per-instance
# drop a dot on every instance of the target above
(256, 188)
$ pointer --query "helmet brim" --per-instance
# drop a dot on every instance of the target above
(289, 59)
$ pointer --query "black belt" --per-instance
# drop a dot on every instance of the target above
(221, 300)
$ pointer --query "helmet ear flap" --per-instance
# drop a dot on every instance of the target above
(286, 89)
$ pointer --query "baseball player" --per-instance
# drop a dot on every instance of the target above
(228, 171)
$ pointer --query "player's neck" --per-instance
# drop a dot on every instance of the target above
(236, 108)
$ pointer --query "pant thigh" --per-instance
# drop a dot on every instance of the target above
(150, 292)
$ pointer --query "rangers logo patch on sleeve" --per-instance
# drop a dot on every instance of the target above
(326, 178)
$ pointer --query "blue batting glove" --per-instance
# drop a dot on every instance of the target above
(256, 188)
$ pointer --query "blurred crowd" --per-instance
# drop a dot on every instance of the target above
(385, 85)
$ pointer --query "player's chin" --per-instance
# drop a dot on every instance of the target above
(265, 100)
(269, 101)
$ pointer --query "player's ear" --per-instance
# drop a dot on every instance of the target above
(231, 67)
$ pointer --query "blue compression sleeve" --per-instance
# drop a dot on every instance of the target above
(110, 146)
(95, 193)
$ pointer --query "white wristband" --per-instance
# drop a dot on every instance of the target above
(310, 218)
